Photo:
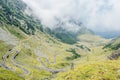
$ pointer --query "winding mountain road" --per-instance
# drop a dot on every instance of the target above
(4, 60)
(18, 64)
(53, 71)
(13, 53)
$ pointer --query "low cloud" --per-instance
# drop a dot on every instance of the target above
(95, 14)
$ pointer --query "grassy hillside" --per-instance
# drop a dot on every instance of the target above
(34, 53)
(114, 44)
(44, 55)
(92, 38)
(12, 13)
(105, 70)
(93, 66)
(67, 36)
(9, 75)
(3, 48)
(34, 50)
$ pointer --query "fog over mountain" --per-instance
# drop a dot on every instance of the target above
(66, 46)
(97, 15)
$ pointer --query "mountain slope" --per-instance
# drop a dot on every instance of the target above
(35, 52)
(12, 13)
(109, 34)
(67, 35)
(9, 75)
(43, 54)
(114, 44)
(93, 71)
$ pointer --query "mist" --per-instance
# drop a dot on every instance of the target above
(98, 15)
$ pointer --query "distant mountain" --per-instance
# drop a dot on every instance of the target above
(68, 34)
(109, 34)
(12, 13)
(31, 51)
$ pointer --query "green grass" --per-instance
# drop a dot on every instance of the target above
(15, 31)
(9, 75)
(114, 44)
(107, 70)
(87, 62)
(38, 75)
(4, 48)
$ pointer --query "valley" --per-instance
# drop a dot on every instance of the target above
(29, 50)
(41, 56)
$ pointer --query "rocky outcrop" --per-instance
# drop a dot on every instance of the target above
(114, 56)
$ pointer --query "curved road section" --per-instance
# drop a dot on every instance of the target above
(18, 64)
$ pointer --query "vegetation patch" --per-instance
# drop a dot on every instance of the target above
(83, 47)
(4, 48)
(74, 56)
(9, 75)
(15, 32)
(107, 70)
(114, 44)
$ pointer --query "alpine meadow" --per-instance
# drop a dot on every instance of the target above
(59, 40)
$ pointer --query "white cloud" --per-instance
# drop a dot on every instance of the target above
(94, 14)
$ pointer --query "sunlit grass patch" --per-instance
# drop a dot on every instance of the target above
(107, 70)
(9, 75)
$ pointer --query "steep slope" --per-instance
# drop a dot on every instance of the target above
(66, 34)
(113, 44)
(43, 54)
(107, 70)
(12, 13)
(101, 64)
(37, 53)
(9, 75)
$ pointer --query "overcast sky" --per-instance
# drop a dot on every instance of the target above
(95, 14)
